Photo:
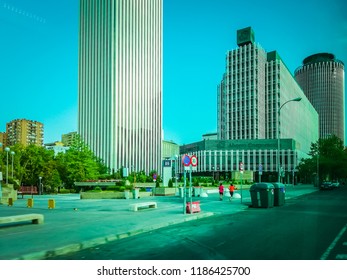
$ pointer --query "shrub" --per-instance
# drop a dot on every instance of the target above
(112, 188)
(64, 191)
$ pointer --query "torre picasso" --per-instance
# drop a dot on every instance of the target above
(120, 81)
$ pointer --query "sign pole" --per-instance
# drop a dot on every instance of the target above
(241, 175)
(190, 190)
(241, 185)
(184, 191)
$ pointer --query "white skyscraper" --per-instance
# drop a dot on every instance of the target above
(120, 81)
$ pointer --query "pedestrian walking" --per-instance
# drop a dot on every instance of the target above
(232, 188)
(221, 191)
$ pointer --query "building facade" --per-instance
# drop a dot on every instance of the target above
(253, 88)
(120, 82)
(57, 147)
(25, 132)
(253, 125)
(3, 140)
(68, 138)
(223, 157)
(322, 79)
(170, 149)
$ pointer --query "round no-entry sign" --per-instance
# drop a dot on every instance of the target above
(194, 161)
(186, 160)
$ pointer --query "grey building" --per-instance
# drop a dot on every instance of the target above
(322, 79)
(223, 157)
(120, 82)
(253, 125)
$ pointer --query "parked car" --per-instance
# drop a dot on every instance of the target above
(326, 186)
(335, 184)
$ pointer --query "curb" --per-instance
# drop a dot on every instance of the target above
(71, 248)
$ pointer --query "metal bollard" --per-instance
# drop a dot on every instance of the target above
(30, 202)
(51, 203)
(10, 201)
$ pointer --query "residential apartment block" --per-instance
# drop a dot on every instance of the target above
(25, 132)
(68, 138)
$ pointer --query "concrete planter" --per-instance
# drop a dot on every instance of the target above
(165, 191)
(110, 195)
(8, 192)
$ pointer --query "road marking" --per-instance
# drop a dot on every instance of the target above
(341, 257)
(333, 244)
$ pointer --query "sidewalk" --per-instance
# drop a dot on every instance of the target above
(76, 224)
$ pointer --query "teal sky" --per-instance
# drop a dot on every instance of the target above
(39, 55)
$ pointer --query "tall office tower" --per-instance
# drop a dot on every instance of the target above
(25, 132)
(120, 82)
(241, 94)
(322, 79)
(254, 87)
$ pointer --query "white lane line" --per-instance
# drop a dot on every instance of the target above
(333, 244)
(341, 257)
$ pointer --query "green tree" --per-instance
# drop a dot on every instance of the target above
(33, 159)
(78, 164)
(328, 157)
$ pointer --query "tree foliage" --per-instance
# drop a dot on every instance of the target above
(328, 157)
(77, 164)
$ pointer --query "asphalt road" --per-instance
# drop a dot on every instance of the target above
(309, 227)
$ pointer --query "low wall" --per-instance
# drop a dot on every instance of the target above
(111, 195)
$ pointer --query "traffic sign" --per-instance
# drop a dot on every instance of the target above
(186, 160)
(241, 167)
(194, 161)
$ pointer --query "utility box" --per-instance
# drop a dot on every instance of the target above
(136, 193)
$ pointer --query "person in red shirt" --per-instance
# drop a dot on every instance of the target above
(221, 191)
(232, 188)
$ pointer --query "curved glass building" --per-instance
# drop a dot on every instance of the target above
(322, 79)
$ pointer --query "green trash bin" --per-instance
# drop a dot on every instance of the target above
(262, 195)
(279, 194)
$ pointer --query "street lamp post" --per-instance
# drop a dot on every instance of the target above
(0, 179)
(7, 149)
(176, 157)
(12, 154)
(278, 137)
(40, 187)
